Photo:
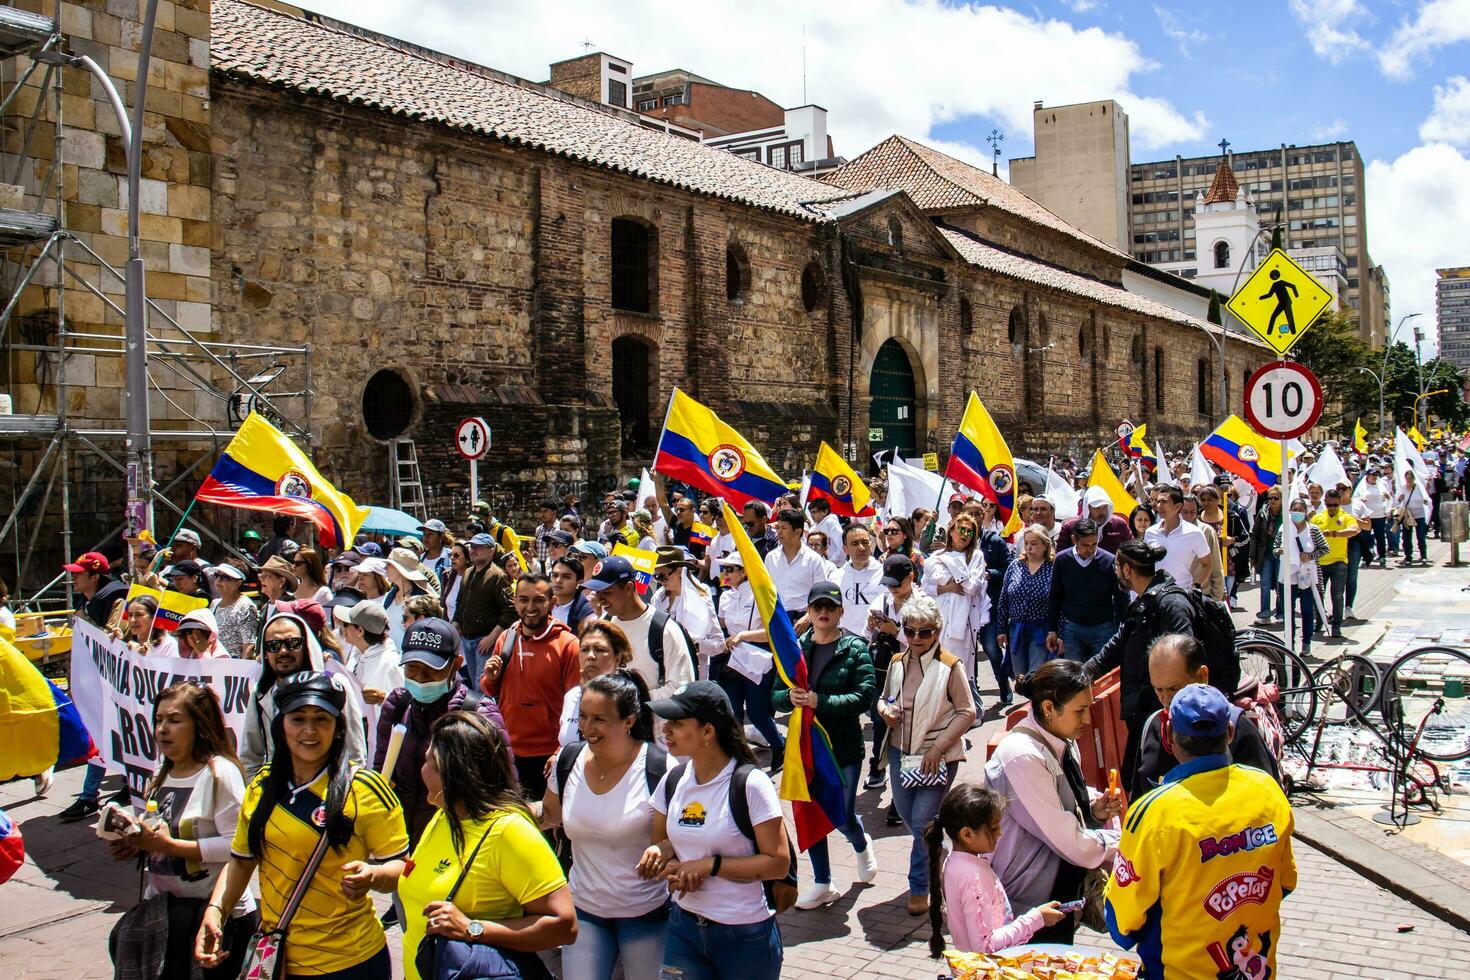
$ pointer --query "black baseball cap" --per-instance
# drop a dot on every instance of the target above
(310, 688)
(345, 596)
(825, 592)
(704, 701)
(896, 568)
(430, 641)
(609, 572)
(563, 538)
(186, 567)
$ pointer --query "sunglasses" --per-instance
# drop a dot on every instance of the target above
(291, 644)
(922, 633)
(825, 608)
(890, 532)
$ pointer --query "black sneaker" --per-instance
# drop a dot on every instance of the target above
(390, 917)
(79, 810)
(876, 778)
(893, 819)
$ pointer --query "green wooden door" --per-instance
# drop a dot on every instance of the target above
(892, 409)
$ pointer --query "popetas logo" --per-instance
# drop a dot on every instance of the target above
(1245, 888)
(1245, 840)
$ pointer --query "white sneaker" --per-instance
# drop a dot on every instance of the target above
(867, 864)
(818, 895)
(43, 783)
(1351, 614)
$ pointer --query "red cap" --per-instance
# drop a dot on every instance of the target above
(309, 610)
(92, 561)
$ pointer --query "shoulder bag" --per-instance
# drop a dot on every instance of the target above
(265, 954)
(442, 958)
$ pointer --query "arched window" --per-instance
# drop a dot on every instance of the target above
(895, 234)
(387, 404)
(1202, 386)
(1222, 255)
(633, 265)
(737, 272)
(967, 316)
(1159, 378)
(1017, 328)
(632, 385)
(1082, 341)
(813, 285)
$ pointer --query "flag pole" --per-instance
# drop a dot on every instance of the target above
(1288, 548)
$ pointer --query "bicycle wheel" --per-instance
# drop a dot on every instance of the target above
(1428, 687)
(1272, 663)
(1352, 679)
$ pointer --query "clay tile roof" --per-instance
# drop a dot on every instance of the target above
(939, 182)
(277, 48)
(985, 256)
(1224, 187)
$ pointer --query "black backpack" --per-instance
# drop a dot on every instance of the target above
(780, 892)
(658, 764)
(656, 643)
(1215, 629)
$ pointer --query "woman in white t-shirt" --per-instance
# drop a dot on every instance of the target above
(602, 796)
(198, 788)
(721, 924)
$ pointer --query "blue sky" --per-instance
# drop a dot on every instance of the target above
(1388, 74)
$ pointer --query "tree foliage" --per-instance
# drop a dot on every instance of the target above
(1214, 315)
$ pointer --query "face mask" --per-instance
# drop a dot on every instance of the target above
(1297, 517)
(426, 693)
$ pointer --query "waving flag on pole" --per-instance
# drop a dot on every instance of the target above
(1360, 438)
(699, 449)
(834, 481)
(1102, 475)
(172, 606)
(1201, 473)
(261, 469)
(980, 460)
(810, 779)
(39, 726)
(1161, 466)
(1064, 500)
(1237, 448)
(1134, 446)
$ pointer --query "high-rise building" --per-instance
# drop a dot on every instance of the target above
(1080, 167)
(1452, 307)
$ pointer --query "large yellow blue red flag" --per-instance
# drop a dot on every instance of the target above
(699, 449)
(1239, 449)
(39, 726)
(836, 482)
(261, 469)
(1360, 438)
(810, 778)
(980, 460)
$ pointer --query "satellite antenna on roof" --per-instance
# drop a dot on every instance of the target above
(587, 44)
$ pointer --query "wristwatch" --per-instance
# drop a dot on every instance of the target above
(476, 929)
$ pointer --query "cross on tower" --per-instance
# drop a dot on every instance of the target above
(994, 139)
(1224, 145)
(587, 43)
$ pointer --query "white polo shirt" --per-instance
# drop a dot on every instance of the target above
(794, 579)
(1184, 547)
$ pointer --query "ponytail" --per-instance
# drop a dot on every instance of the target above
(934, 838)
(965, 805)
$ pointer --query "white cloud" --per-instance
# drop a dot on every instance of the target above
(1327, 25)
(1449, 122)
(1437, 24)
(1081, 6)
(1416, 220)
(879, 66)
(1175, 31)
(1326, 132)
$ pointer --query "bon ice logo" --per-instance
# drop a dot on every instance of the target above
(1124, 874)
(1245, 888)
(1245, 840)
(726, 463)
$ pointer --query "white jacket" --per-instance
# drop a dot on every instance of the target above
(1375, 498)
(961, 612)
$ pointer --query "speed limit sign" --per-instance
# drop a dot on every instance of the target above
(1283, 400)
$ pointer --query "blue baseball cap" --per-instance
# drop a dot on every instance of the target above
(482, 540)
(592, 548)
(369, 549)
(609, 572)
(431, 641)
(1200, 710)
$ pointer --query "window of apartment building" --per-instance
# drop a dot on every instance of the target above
(647, 105)
(1352, 261)
(1222, 255)
(1159, 378)
(633, 265)
(737, 272)
(1353, 282)
(674, 99)
(1202, 383)
(754, 153)
(617, 92)
(1350, 221)
(1349, 200)
(776, 157)
(1189, 255)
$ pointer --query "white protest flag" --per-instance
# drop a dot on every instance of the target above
(806, 485)
(911, 487)
(1328, 470)
(1200, 470)
(1163, 472)
(645, 490)
(1064, 500)
(1406, 457)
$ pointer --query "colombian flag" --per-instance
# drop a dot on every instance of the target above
(1417, 436)
(835, 482)
(699, 449)
(642, 562)
(1102, 475)
(172, 606)
(39, 726)
(810, 779)
(701, 534)
(1134, 446)
(12, 848)
(1360, 438)
(1239, 449)
(980, 460)
(263, 470)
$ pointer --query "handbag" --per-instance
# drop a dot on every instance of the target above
(265, 954)
(442, 958)
(911, 776)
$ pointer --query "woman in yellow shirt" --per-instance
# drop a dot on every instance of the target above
(513, 896)
(308, 789)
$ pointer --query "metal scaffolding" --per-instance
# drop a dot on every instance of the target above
(41, 260)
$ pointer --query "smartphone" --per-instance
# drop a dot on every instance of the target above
(1073, 906)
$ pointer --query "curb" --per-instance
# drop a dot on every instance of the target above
(1442, 899)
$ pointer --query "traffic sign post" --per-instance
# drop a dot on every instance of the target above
(1280, 301)
(1283, 400)
(472, 438)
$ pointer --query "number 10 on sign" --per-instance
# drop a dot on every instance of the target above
(1283, 400)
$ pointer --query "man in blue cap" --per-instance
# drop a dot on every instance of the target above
(663, 654)
(485, 605)
(1205, 859)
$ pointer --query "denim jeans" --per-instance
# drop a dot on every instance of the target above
(1334, 581)
(1393, 535)
(474, 664)
(1270, 582)
(1081, 640)
(1421, 531)
(705, 950)
(852, 830)
(753, 698)
(638, 943)
(918, 808)
(92, 781)
(1305, 605)
(1357, 546)
(1380, 540)
(1027, 643)
(990, 643)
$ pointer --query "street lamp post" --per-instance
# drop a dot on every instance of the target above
(1379, 378)
(1421, 396)
(1383, 368)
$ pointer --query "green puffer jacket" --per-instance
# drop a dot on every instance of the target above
(845, 692)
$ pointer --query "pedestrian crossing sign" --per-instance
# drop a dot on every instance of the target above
(1280, 301)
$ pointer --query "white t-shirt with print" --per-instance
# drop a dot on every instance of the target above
(213, 793)
(701, 825)
(609, 833)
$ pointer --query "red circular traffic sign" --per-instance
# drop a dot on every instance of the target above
(1283, 400)
(472, 438)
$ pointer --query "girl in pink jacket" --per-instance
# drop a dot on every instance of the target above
(980, 918)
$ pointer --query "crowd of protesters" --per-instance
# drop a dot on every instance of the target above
(589, 758)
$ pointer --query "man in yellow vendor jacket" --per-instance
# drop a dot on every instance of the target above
(1205, 859)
